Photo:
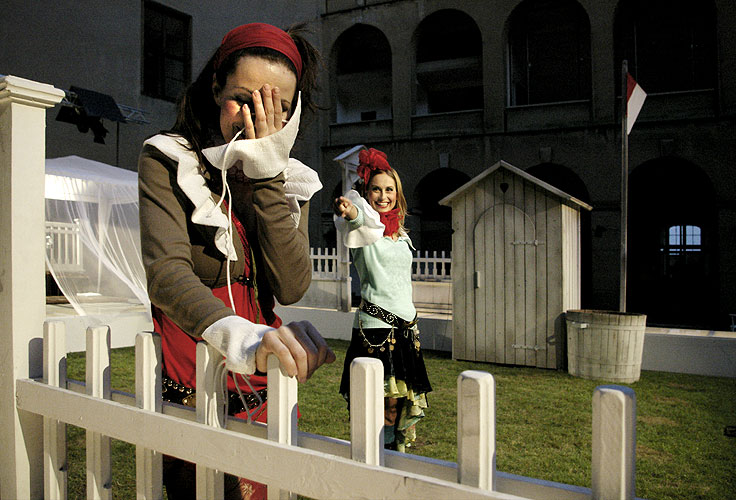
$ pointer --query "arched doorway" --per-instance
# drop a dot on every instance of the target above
(672, 244)
(436, 220)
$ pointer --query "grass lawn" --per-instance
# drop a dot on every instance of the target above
(543, 425)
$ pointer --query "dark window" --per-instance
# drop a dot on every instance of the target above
(670, 45)
(549, 53)
(167, 51)
(448, 68)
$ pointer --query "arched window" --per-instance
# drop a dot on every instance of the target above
(549, 53)
(670, 45)
(363, 75)
(448, 64)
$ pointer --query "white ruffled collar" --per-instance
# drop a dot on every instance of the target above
(262, 158)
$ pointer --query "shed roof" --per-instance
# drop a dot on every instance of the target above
(566, 198)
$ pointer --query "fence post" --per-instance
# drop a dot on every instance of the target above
(366, 410)
(23, 105)
(476, 429)
(210, 411)
(614, 443)
(148, 463)
(54, 432)
(282, 408)
(97, 375)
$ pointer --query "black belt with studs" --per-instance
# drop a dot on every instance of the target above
(175, 392)
(387, 317)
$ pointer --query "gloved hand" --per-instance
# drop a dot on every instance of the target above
(237, 339)
(246, 345)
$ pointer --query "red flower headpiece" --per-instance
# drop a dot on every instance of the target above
(370, 160)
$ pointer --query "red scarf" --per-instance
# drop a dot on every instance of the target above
(390, 219)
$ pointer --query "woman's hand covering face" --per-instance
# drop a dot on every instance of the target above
(256, 98)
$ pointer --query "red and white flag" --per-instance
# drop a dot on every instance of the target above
(635, 96)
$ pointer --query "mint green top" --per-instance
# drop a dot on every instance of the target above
(384, 268)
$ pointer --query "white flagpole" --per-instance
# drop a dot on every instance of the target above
(624, 184)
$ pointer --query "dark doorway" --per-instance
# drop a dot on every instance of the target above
(435, 219)
(672, 264)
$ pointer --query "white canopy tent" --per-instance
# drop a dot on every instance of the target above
(93, 233)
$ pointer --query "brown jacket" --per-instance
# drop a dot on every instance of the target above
(180, 258)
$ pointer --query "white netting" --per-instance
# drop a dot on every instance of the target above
(93, 233)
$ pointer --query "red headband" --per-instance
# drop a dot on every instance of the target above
(259, 35)
(370, 160)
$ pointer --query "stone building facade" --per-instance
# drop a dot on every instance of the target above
(448, 88)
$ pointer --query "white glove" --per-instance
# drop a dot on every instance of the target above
(237, 339)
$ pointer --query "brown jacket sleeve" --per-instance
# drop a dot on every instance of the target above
(166, 248)
(284, 247)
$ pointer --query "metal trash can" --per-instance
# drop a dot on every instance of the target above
(605, 345)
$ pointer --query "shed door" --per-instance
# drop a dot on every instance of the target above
(505, 287)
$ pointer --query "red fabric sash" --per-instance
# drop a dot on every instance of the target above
(179, 349)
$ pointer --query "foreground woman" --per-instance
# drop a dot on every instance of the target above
(224, 227)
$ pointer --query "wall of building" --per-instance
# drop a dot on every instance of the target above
(97, 46)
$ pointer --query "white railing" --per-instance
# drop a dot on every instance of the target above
(64, 246)
(270, 454)
(426, 267)
(431, 267)
(324, 263)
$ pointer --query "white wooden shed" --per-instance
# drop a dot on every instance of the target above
(515, 267)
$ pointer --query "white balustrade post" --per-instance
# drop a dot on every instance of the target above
(148, 463)
(282, 421)
(476, 429)
(23, 105)
(55, 466)
(614, 443)
(210, 411)
(366, 410)
(97, 376)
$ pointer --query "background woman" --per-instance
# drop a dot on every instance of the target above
(385, 325)
(224, 226)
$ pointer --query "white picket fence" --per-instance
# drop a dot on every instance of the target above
(278, 454)
(426, 266)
